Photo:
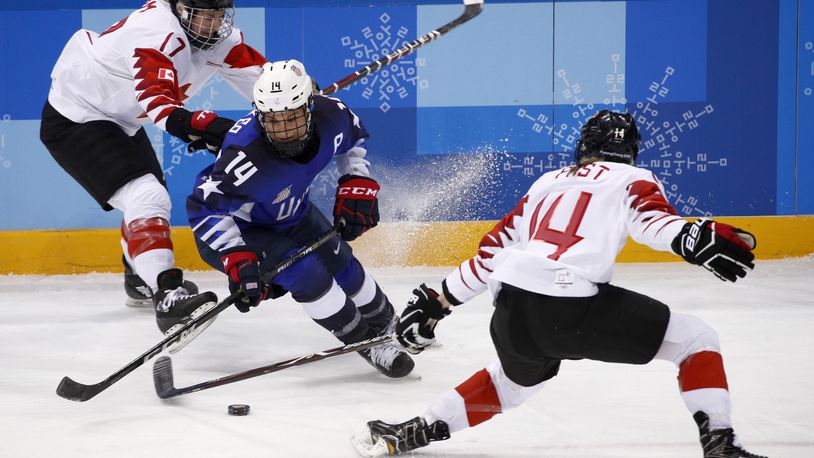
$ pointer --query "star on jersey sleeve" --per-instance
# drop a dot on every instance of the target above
(218, 203)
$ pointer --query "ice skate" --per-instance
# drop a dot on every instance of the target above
(138, 293)
(175, 306)
(719, 443)
(388, 358)
(384, 439)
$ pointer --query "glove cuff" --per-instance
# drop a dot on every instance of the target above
(233, 258)
(678, 241)
(178, 123)
(447, 294)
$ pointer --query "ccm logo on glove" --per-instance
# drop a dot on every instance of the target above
(358, 191)
(357, 203)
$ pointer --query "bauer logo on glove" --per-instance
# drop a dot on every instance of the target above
(724, 250)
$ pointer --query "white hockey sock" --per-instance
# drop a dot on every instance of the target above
(151, 263)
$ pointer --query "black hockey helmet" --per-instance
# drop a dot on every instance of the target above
(205, 22)
(611, 135)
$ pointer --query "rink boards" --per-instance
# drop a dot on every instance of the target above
(390, 244)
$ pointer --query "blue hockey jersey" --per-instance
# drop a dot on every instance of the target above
(249, 185)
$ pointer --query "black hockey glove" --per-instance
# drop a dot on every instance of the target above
(357, 201)
(201, 129)
(722, 249)
(415, 329)
(243, 271)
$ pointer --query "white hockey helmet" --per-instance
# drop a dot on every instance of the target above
(283, 101)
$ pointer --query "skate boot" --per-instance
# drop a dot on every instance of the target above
(175, 306)
(138, 293)
(386, 439)
(388, 358)
(719, 443)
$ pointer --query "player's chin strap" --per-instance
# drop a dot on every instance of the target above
(471, 9)
(75, 391)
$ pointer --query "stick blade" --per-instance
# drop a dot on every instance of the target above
(75, 391)
(162, 377)
(369, 449)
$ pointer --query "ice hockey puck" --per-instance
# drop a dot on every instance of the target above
(239, 409)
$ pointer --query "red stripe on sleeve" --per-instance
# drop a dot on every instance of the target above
(461, 273)
(474, 269)
(243, 55)
(492, 238)
(655, 221)
(648, 197)
(156, 75)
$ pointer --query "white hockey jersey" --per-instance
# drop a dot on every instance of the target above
(142, 68)
(563, 236)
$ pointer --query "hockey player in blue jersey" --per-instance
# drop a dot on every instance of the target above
(251, 209)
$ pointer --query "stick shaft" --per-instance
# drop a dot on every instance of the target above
(471, 10)
(165, 373)
(75, 391)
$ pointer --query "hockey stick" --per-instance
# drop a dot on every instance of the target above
(75, 391)
(471, 9)
(163, 377)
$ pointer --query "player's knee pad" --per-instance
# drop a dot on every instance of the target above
(143, 198)
(687, 335)
(307, 279)
(355, 281)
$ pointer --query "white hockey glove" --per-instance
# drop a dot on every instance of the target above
(415, 329)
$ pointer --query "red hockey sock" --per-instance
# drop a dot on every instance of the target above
(702, 370)
(146, 234)
(480, 397)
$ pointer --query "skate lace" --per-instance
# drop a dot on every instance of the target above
(172, 296)
(722, 443)
(384, 355)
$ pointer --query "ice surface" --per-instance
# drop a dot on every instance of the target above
(52, 326)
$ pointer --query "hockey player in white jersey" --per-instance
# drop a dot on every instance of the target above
(105, 87)
(547, 264)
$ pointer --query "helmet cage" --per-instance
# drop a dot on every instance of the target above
(205, 27)
(610, 135)
(286, 132)
(284, 101)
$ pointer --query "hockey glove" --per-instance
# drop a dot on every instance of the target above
(243, 271)
(415, 329)
(722, 249)
(201, 129)
(356, 201)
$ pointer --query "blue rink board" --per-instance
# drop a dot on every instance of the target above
(714, 94)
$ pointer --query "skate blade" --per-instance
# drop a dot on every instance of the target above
(190, 335)
(361, 441)
(130, 302)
